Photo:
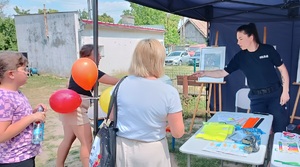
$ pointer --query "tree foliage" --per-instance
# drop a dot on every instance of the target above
(105, 18)
(41, 11)
(148, 16)
(20, 11)
(8, 38)
(127, 12)
(83, 14)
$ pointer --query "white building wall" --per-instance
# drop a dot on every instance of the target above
(56, 53)
(118, 46)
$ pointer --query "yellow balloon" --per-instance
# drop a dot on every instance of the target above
(105, 99)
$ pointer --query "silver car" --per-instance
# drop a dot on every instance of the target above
(177, 58)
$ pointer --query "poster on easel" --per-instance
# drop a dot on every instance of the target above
(212, 58)
(298, 70)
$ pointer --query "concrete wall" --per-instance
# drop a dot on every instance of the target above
(54, 52)
(118, 45)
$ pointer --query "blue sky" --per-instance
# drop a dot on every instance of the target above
(113, 8)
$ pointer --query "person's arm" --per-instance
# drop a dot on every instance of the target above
(175, 121)
(67, 84)
(106, 79)
(8, 130)
(285, 84)
(213, 74)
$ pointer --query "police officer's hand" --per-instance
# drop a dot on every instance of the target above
(285, 97)
(198, 74)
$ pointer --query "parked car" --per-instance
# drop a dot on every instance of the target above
(195, 59)
(177, 58)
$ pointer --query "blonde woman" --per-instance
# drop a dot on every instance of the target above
(146, 105)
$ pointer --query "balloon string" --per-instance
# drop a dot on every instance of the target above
(88, 98)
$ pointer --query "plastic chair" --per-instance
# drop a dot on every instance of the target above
(242, 100)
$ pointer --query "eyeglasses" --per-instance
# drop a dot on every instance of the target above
(24, 70)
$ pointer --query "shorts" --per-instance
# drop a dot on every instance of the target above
(79, 116)
(26, 163)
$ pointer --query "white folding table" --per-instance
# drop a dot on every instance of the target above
(194, 146)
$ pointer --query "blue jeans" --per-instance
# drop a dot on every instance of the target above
(270, 103)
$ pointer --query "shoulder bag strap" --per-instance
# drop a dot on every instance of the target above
(113, 102)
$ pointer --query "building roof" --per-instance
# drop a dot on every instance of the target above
(124, 26)
(201, 26)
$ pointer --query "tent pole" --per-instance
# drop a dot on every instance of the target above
(265, 35)
(95, 40)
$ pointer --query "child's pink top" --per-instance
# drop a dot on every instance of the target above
(13, 107)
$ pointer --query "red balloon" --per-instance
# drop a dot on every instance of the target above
(85, 73)
(65, 101)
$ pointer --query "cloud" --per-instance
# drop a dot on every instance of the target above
(113, 9)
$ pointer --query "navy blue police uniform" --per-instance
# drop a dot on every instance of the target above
(264, 82)
(74, 86)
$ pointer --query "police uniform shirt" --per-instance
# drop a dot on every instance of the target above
(258, 67)
(74, 86)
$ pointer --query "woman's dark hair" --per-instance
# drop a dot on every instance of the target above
(86, 50)
(249, 29)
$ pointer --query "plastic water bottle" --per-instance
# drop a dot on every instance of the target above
(38, 130)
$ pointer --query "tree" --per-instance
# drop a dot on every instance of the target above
(41, 11)
(105, 18)
(3, 3)
(8, 38)
(127, 12)
(21, 11)
(148, 16)
(83, 15)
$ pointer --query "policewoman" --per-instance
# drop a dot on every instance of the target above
(268, 92)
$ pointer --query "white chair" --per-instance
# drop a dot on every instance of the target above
(242, 100)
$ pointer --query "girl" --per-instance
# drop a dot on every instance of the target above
(16, 114)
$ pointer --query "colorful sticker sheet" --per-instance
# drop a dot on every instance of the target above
(289, 142)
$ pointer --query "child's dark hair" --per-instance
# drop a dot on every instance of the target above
(10, 60)
(86, 50)
(250, 29)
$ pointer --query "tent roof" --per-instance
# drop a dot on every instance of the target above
(228, 10)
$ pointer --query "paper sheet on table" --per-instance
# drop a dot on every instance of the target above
(226, 147)
(231, 119)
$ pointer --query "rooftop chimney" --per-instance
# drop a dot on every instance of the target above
(127, 19)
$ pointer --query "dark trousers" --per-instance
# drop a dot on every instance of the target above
(27, 163)
(270, 103)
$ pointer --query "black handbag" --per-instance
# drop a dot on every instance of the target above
(108, 132)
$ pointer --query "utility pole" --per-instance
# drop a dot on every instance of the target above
(89, 9)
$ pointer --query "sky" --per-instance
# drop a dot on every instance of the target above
(113, 8)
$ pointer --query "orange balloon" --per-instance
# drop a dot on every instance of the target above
(85, 73)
